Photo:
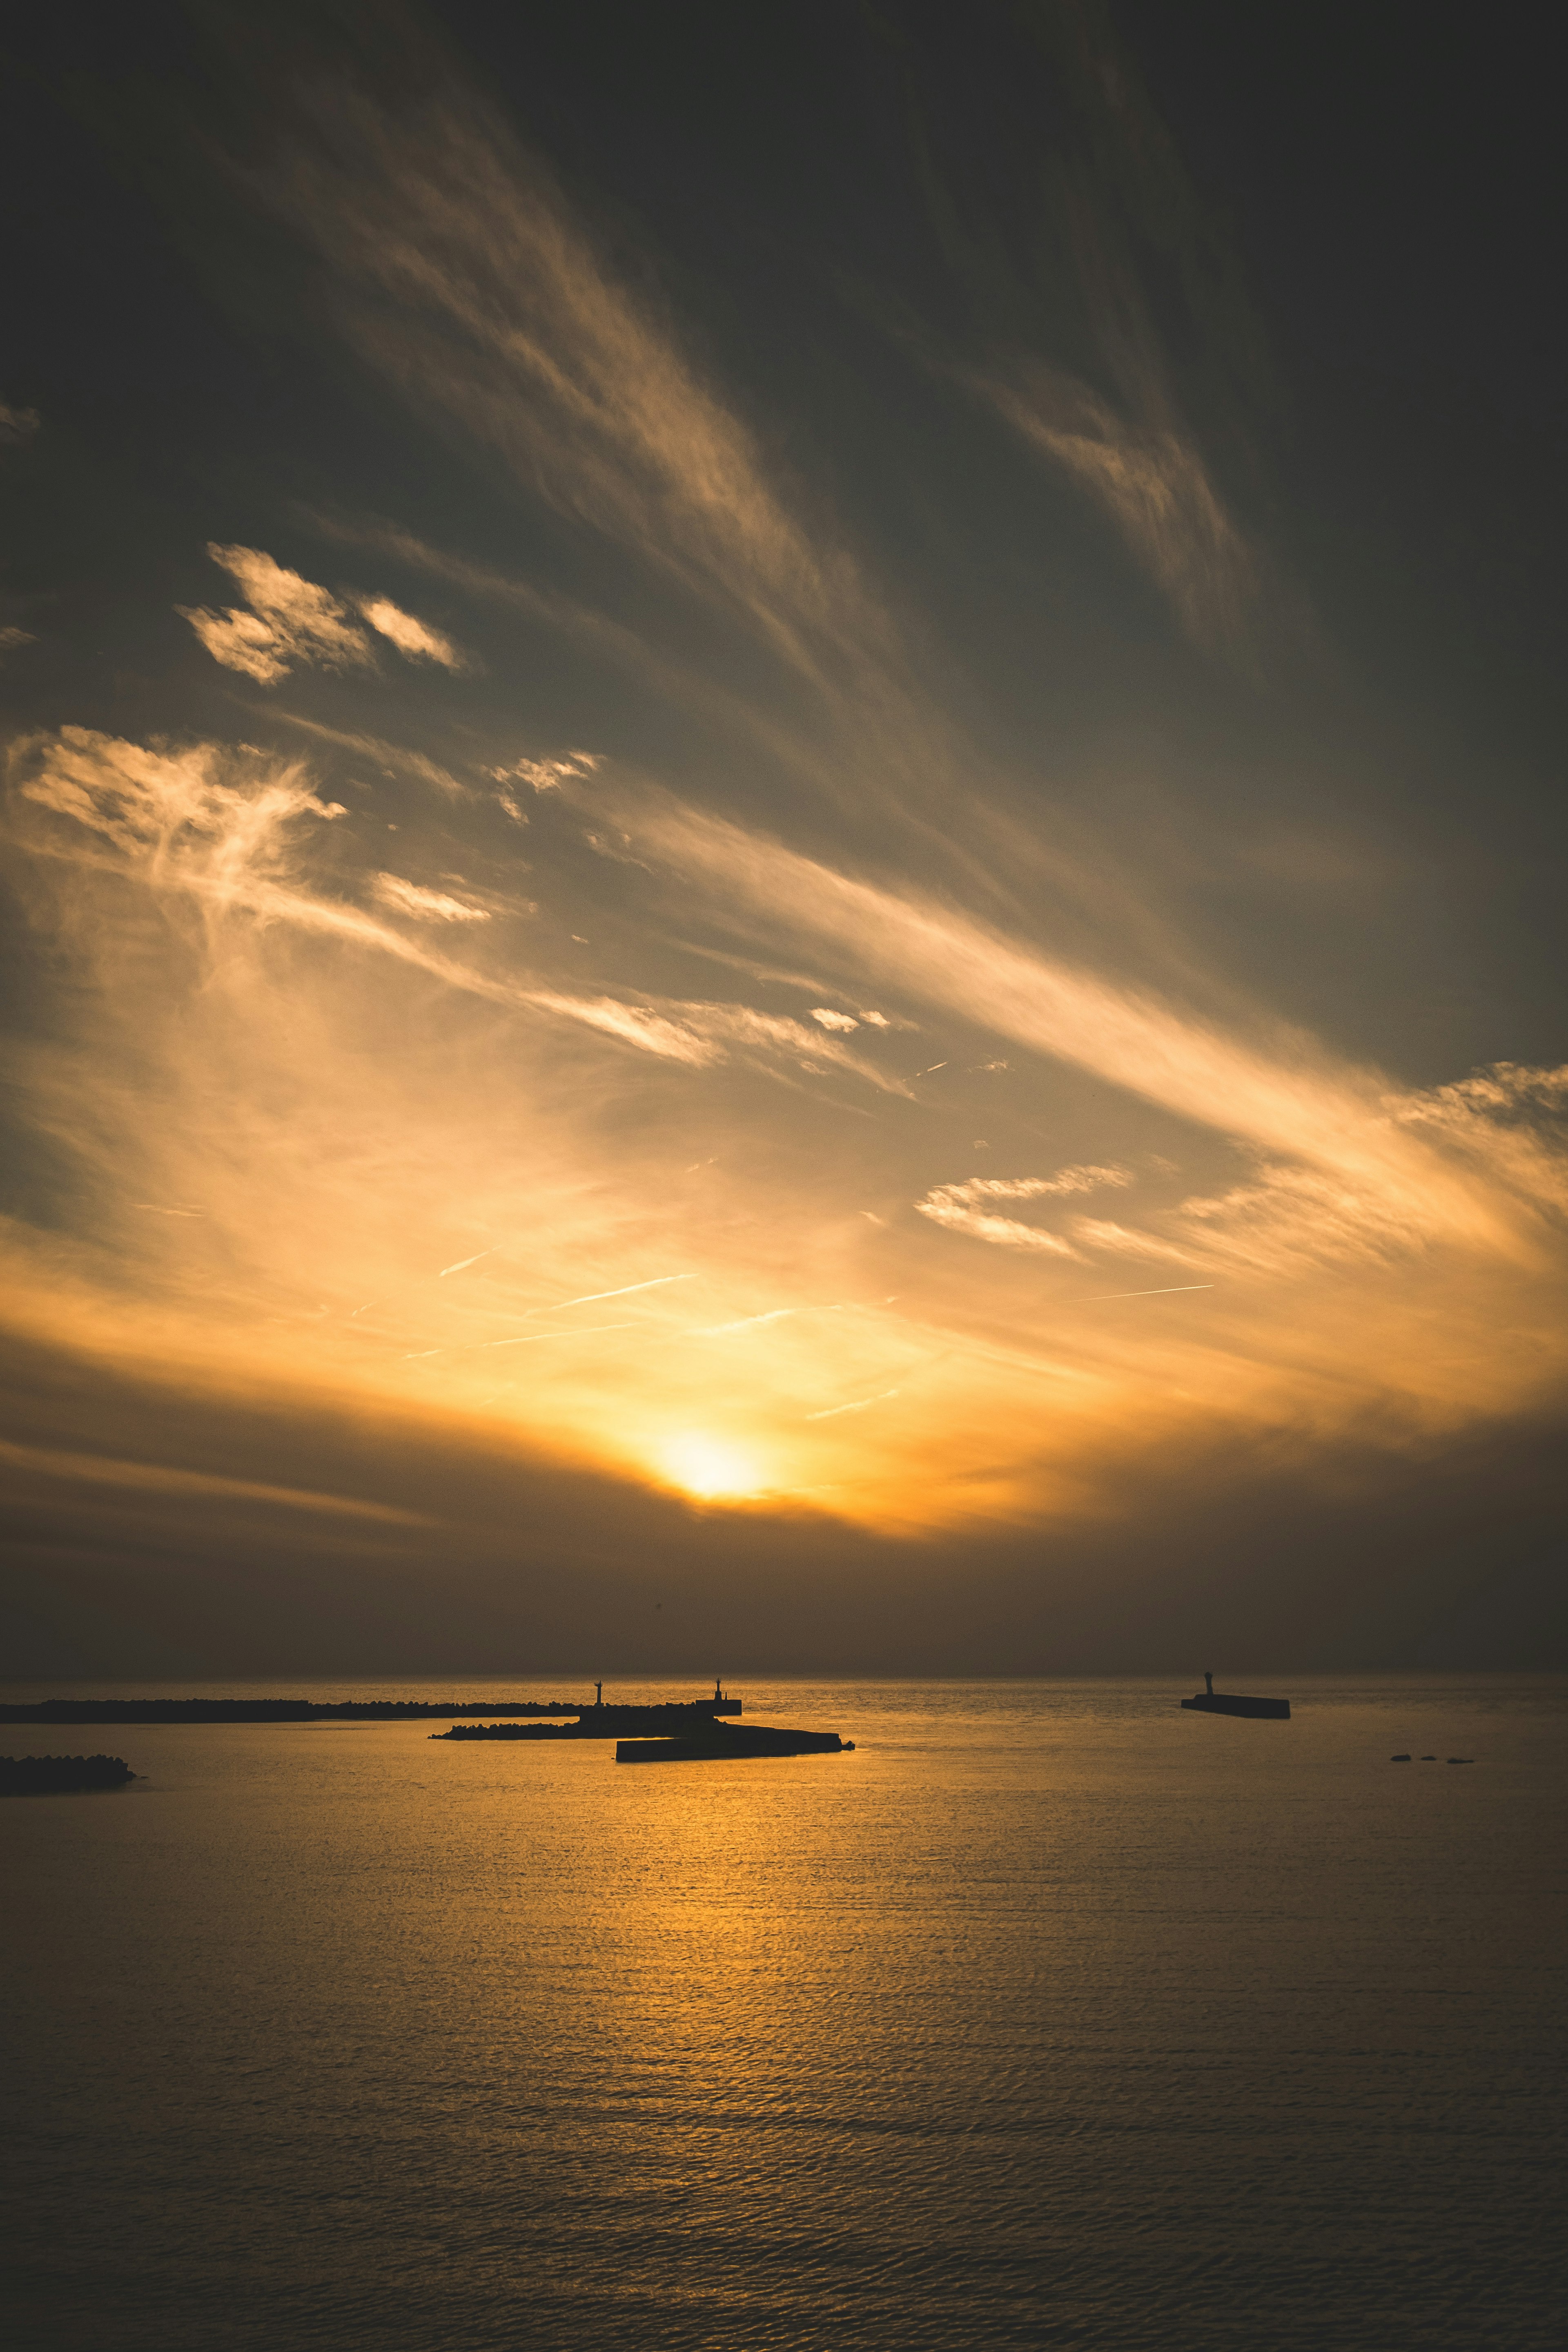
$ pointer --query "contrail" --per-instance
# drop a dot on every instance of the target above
(532, 1338)
(864, 1405)
(719, 1331)
(1104, 1298)
(589, 1295)
(464, 1263)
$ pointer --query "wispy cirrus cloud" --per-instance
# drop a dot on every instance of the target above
(391, 759)
(425, 905)
(230, 830)
(463, 274)
(1123, 353)
(547, 775)
(170, 1479)
(1103, 1233)
(493, 304)
(966, 1207)
(1284, 1093)
(957, 1207)
(367, 1081)
(1146, 473)
(1286, 1223)
(706, 693)
(354, 1101)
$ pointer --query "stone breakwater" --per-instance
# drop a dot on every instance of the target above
(273, 1710)
(58, 1776)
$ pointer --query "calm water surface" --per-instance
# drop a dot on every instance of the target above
(1051, 2016)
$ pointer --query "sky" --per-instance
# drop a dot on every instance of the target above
(782, 842)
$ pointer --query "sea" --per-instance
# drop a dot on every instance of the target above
(1049, 2016)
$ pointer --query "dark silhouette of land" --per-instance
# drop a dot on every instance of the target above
(56, 1776)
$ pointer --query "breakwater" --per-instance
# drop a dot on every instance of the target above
(715, 1742)
(58, 1776)
(669, 1719)
(275, 1711)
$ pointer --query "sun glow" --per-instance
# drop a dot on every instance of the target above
(708, 1465)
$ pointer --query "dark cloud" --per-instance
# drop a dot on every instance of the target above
(486, 1562)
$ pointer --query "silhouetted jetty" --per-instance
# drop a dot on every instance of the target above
(1208, 1701)
(296, 1711)
(674, 1731)
(669, 1717)
(721, 1740)
(58, 1776)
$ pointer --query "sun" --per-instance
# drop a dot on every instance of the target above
(708, 1466)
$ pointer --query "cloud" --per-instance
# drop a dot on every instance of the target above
(463, 274)
(13, 639)
(875, 698)
(1506, 1114)
(548, 775)
(349, 1099)
(415, 640)
(1278, 1090)
(391, 759)
(17, 424)
(1342, 1181)
(231, 830)
(1126, 287)
(354, 1076)
(1286, 1222)
(1098, 1233)
(705, 1035)
(240, 641)
(1148, 477)
(1292, 1222)
(958, 1206)
(196, 813)
(291, 621)
(425, 905)
(642, 1025)
(163, 1478)
(618, 851)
